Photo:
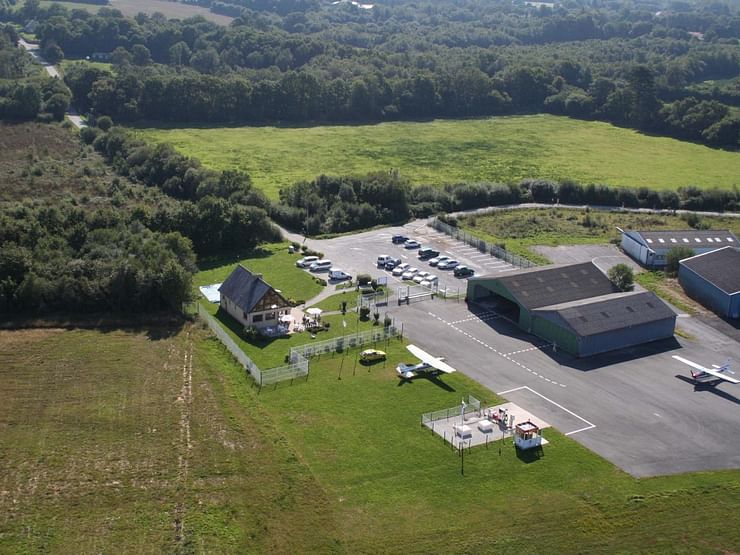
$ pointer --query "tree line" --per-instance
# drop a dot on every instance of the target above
(25, 92)
(614, 61)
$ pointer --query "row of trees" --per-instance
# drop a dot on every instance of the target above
(337, 63)
(26, 94)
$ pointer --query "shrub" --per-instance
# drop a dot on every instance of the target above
(104, 123)
(673, 256)
(364, 279)
(251, 332)
(622, 276)
(364, 313)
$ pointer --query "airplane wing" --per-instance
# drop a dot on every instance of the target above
(722, 376)
(715, 373)
(692, 364)
(434, 362)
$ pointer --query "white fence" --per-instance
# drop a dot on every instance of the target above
(480, 244)
(338, 344)
(298, 367)
(471, 406)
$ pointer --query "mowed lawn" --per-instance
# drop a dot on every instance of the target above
(499, 149)
(130, 8)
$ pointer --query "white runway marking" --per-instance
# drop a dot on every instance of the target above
(561, 407)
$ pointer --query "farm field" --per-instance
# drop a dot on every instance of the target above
(140, 441)
(499, 149)
(130, 8)
(521, 229)
(160, 452)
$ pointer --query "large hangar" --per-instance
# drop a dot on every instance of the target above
(575, 307)
(713, 279)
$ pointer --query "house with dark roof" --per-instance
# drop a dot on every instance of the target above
(250, 300)
(713, 279)
(650, 248)
(575, 307)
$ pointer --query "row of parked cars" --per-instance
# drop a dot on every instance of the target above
(314, 264)
(429, 254)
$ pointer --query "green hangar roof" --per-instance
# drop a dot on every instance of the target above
(549, 285)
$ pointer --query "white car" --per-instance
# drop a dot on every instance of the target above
(430, 282)
(306, 261)
(401, 268)
(448, 265)
(412, 244)
(435, 261)
(409, 273)
(420, 276)
(338, 275)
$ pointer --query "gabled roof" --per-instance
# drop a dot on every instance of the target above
(610, 312)
(720, 267)
(561, 283)
(246, 289)
(693, 238)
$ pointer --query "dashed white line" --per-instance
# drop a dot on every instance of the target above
(504, 355)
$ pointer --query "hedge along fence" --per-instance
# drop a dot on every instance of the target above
(480, 244)
(339, 344)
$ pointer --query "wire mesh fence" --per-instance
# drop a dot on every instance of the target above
(480, 244)
(471, 406)
(338, 344)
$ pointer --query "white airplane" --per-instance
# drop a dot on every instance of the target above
(429, 365)
(709, 375)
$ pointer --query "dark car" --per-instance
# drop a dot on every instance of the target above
(392, 263)
(426, 253)
(463, 271)
(398, 239)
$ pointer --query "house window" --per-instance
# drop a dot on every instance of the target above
(257, 318)
(270, 316)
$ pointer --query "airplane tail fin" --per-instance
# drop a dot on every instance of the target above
(726, 367)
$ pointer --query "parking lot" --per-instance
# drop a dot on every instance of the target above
(635, 407)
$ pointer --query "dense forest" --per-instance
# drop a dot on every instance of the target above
(641, 64)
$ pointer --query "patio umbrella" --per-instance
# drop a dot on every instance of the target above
(286, 318)
(315, 311)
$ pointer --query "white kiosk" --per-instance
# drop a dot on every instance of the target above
(527, 436)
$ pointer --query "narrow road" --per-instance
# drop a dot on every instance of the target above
(51, 69)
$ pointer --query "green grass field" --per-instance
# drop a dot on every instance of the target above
(154, 441)
(443, 151)
(272, 261)
(521, 229)
(131, 8)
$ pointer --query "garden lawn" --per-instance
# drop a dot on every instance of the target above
(520, 229)
(276, 265)
(498, 149)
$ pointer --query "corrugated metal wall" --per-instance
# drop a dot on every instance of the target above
(547, 327)
(627, 337)
(703, 291)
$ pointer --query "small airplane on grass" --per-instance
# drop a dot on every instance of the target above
(709, 376)
(429, 365)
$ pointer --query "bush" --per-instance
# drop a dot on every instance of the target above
(364, 313)
(364, 279)
(88, 134)
(105, 123)
(622, 276)
(673, 256)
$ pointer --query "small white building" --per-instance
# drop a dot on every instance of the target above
(252, 301)
(527, 436)
(650, 248)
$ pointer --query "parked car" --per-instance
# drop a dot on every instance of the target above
(411, 244)
(436, 260)
(409, 273)
(320, 266)
(306, 261)
(398, 239)
(430, 282)
(448, 265)
(420, 276)
(383, 259)
(463, 271)
(371, 355)
(427, 253)
(392, 263)
(401, 268)
(338, 275)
